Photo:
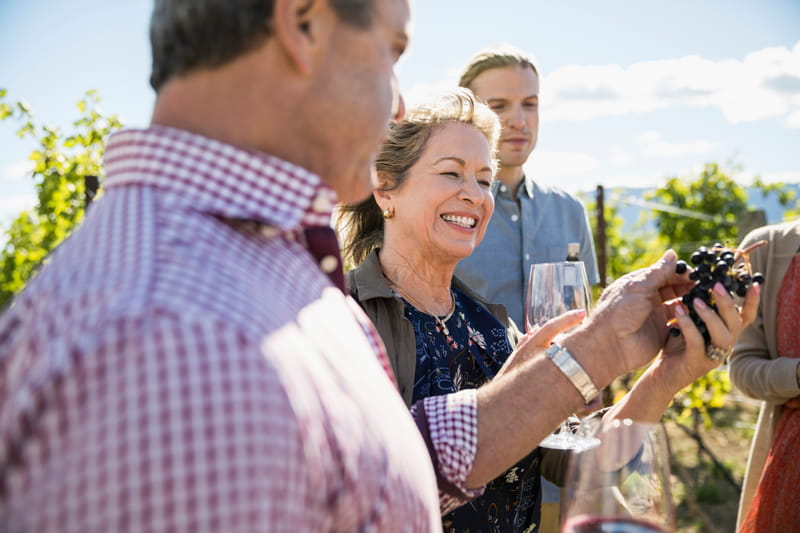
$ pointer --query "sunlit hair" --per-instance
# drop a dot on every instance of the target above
(361, 225)
(190, 34)
(501, 56)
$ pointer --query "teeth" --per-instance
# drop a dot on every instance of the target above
(467, 222)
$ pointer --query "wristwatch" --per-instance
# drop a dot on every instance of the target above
(561, 357)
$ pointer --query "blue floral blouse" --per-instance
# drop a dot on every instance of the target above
(465, 356)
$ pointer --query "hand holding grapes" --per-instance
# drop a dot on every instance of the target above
(683, 358)
(706, 315)
(636, 309)
(718, 270)
(630, 319)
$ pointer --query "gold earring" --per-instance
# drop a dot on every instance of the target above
(388, 213)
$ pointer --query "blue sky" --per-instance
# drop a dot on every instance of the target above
(632, 91)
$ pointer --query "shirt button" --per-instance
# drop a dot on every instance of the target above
(527, 257)
(322, 203)
(269, 231)
(328, 264)
(503, 188)
(514, 218)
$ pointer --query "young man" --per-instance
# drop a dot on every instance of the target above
(532, 222)
(184, 363)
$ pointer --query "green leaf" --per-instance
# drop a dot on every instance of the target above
(60, 164)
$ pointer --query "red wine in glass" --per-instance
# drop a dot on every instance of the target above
(606, 524)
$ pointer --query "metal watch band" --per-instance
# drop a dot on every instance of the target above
(573, 370)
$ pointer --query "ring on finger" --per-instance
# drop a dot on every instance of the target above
(717, 354)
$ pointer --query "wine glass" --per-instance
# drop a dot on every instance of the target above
(623, 484)
(554, 289)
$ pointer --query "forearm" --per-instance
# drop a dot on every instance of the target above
(645, 402)
(518, 410)
(774, 380)
(760, 374)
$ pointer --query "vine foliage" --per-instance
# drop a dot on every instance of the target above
(60, 163)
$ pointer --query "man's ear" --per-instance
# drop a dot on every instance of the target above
(295, 24)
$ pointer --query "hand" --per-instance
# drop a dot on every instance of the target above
(684, 359)
(540, 338)
(628, 328)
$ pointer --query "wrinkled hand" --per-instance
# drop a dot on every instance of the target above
(631, 319)
(540, 338)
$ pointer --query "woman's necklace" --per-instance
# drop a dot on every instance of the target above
(439, 320)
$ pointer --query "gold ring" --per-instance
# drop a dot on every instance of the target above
(717, 354)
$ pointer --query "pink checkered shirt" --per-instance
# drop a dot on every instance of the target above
(181, 363)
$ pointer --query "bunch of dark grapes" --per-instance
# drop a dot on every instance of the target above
(728, 266)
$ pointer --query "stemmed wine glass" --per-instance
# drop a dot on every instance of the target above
(623, 484)
(554, 289)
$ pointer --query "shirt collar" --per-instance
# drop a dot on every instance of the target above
(218, 178)
(528, 187)
(368, 278)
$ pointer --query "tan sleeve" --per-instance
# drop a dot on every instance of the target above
(753, 368)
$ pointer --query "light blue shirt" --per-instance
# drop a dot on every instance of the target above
(534, 227)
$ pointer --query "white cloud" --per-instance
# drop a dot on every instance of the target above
(571, 171)
(633, 180)
(763, 84)
(559, 164)
(784, 177)
(16, 171)
(653, 146)
(653, 177)
(619, 156)
(793, 120)
(423, 91)
(13, 205)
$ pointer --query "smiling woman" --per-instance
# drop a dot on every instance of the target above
(444, 203)
(404, 149)
(430, 211)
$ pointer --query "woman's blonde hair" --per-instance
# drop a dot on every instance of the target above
(361, 225)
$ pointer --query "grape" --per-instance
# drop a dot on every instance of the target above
(717, 264)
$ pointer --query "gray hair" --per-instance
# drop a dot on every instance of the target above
(189, 34)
